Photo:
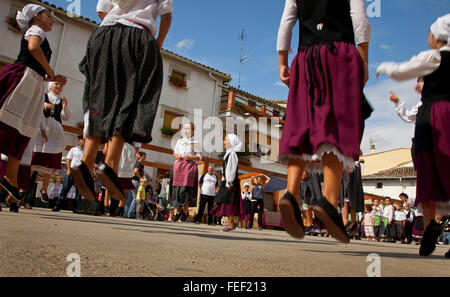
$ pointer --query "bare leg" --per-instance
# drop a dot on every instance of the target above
(308, 217)
(344, 211)
(295, 171)
(11, 171)
(429, 213)
(332, 172)
(115, 146)
(230, 222)
(107, 198)
(353, 215)
(91, 147)
(45, 182)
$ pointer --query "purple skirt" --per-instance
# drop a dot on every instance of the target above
(184, 173)
(232, 209)
(10, 77)
(16, 143)
(326, 105)
(433, 175)
(418, 228)
(23, 175)
(50, 161)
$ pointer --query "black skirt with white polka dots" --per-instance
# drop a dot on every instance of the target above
(124, 75)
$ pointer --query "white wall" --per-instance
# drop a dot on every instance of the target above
(391, 188)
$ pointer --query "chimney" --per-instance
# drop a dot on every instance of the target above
(231, 101)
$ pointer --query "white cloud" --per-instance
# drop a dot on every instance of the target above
(279, 84)
(385, 46)
(185, 44)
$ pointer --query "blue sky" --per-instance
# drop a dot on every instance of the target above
(208, 31)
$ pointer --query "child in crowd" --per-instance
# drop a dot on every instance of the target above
(388, 231)
(140, 198)
(400, 222)
(22, 91)
(246, 196)
(408, 223)
(377, 215)
(368, 222)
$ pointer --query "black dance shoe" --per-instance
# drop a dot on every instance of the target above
(84, 181)
(110, 179)
(430, 236)
(292, 216)
(12, 191)
(328, 214)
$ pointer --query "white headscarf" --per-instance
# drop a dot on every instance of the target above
(233, 161)
(235, 144)
(441, 28)
(25, 16)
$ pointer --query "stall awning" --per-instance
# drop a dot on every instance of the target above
(276, 184)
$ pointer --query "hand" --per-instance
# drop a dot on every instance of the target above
(44, 135)
(68, 171)
(49, 76)
(394, 98)
(366, 73)
(61, 79)
(64, 101)
(187, 157)
(48, 106)
(285, 75)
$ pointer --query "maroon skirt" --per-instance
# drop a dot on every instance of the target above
(10, 77)
(231, 209)
(50, 161)
(325, 102)
(433, 173)
(127, 183)
(16, 143)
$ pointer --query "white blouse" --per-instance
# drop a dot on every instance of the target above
(188, 147)
(361, 25)
(421, 65)
(35, 31)
(408, 116)
(143, 12)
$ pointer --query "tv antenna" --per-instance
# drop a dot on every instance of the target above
(242, 58)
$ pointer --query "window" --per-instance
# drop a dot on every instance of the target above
(252, 103)
(178, 79)
(379, 185)
(169, 117)
(276, 113)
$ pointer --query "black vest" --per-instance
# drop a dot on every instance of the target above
(54, 112)
(437, 84)
(324, 21)
(436, 88)
(25, 57)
